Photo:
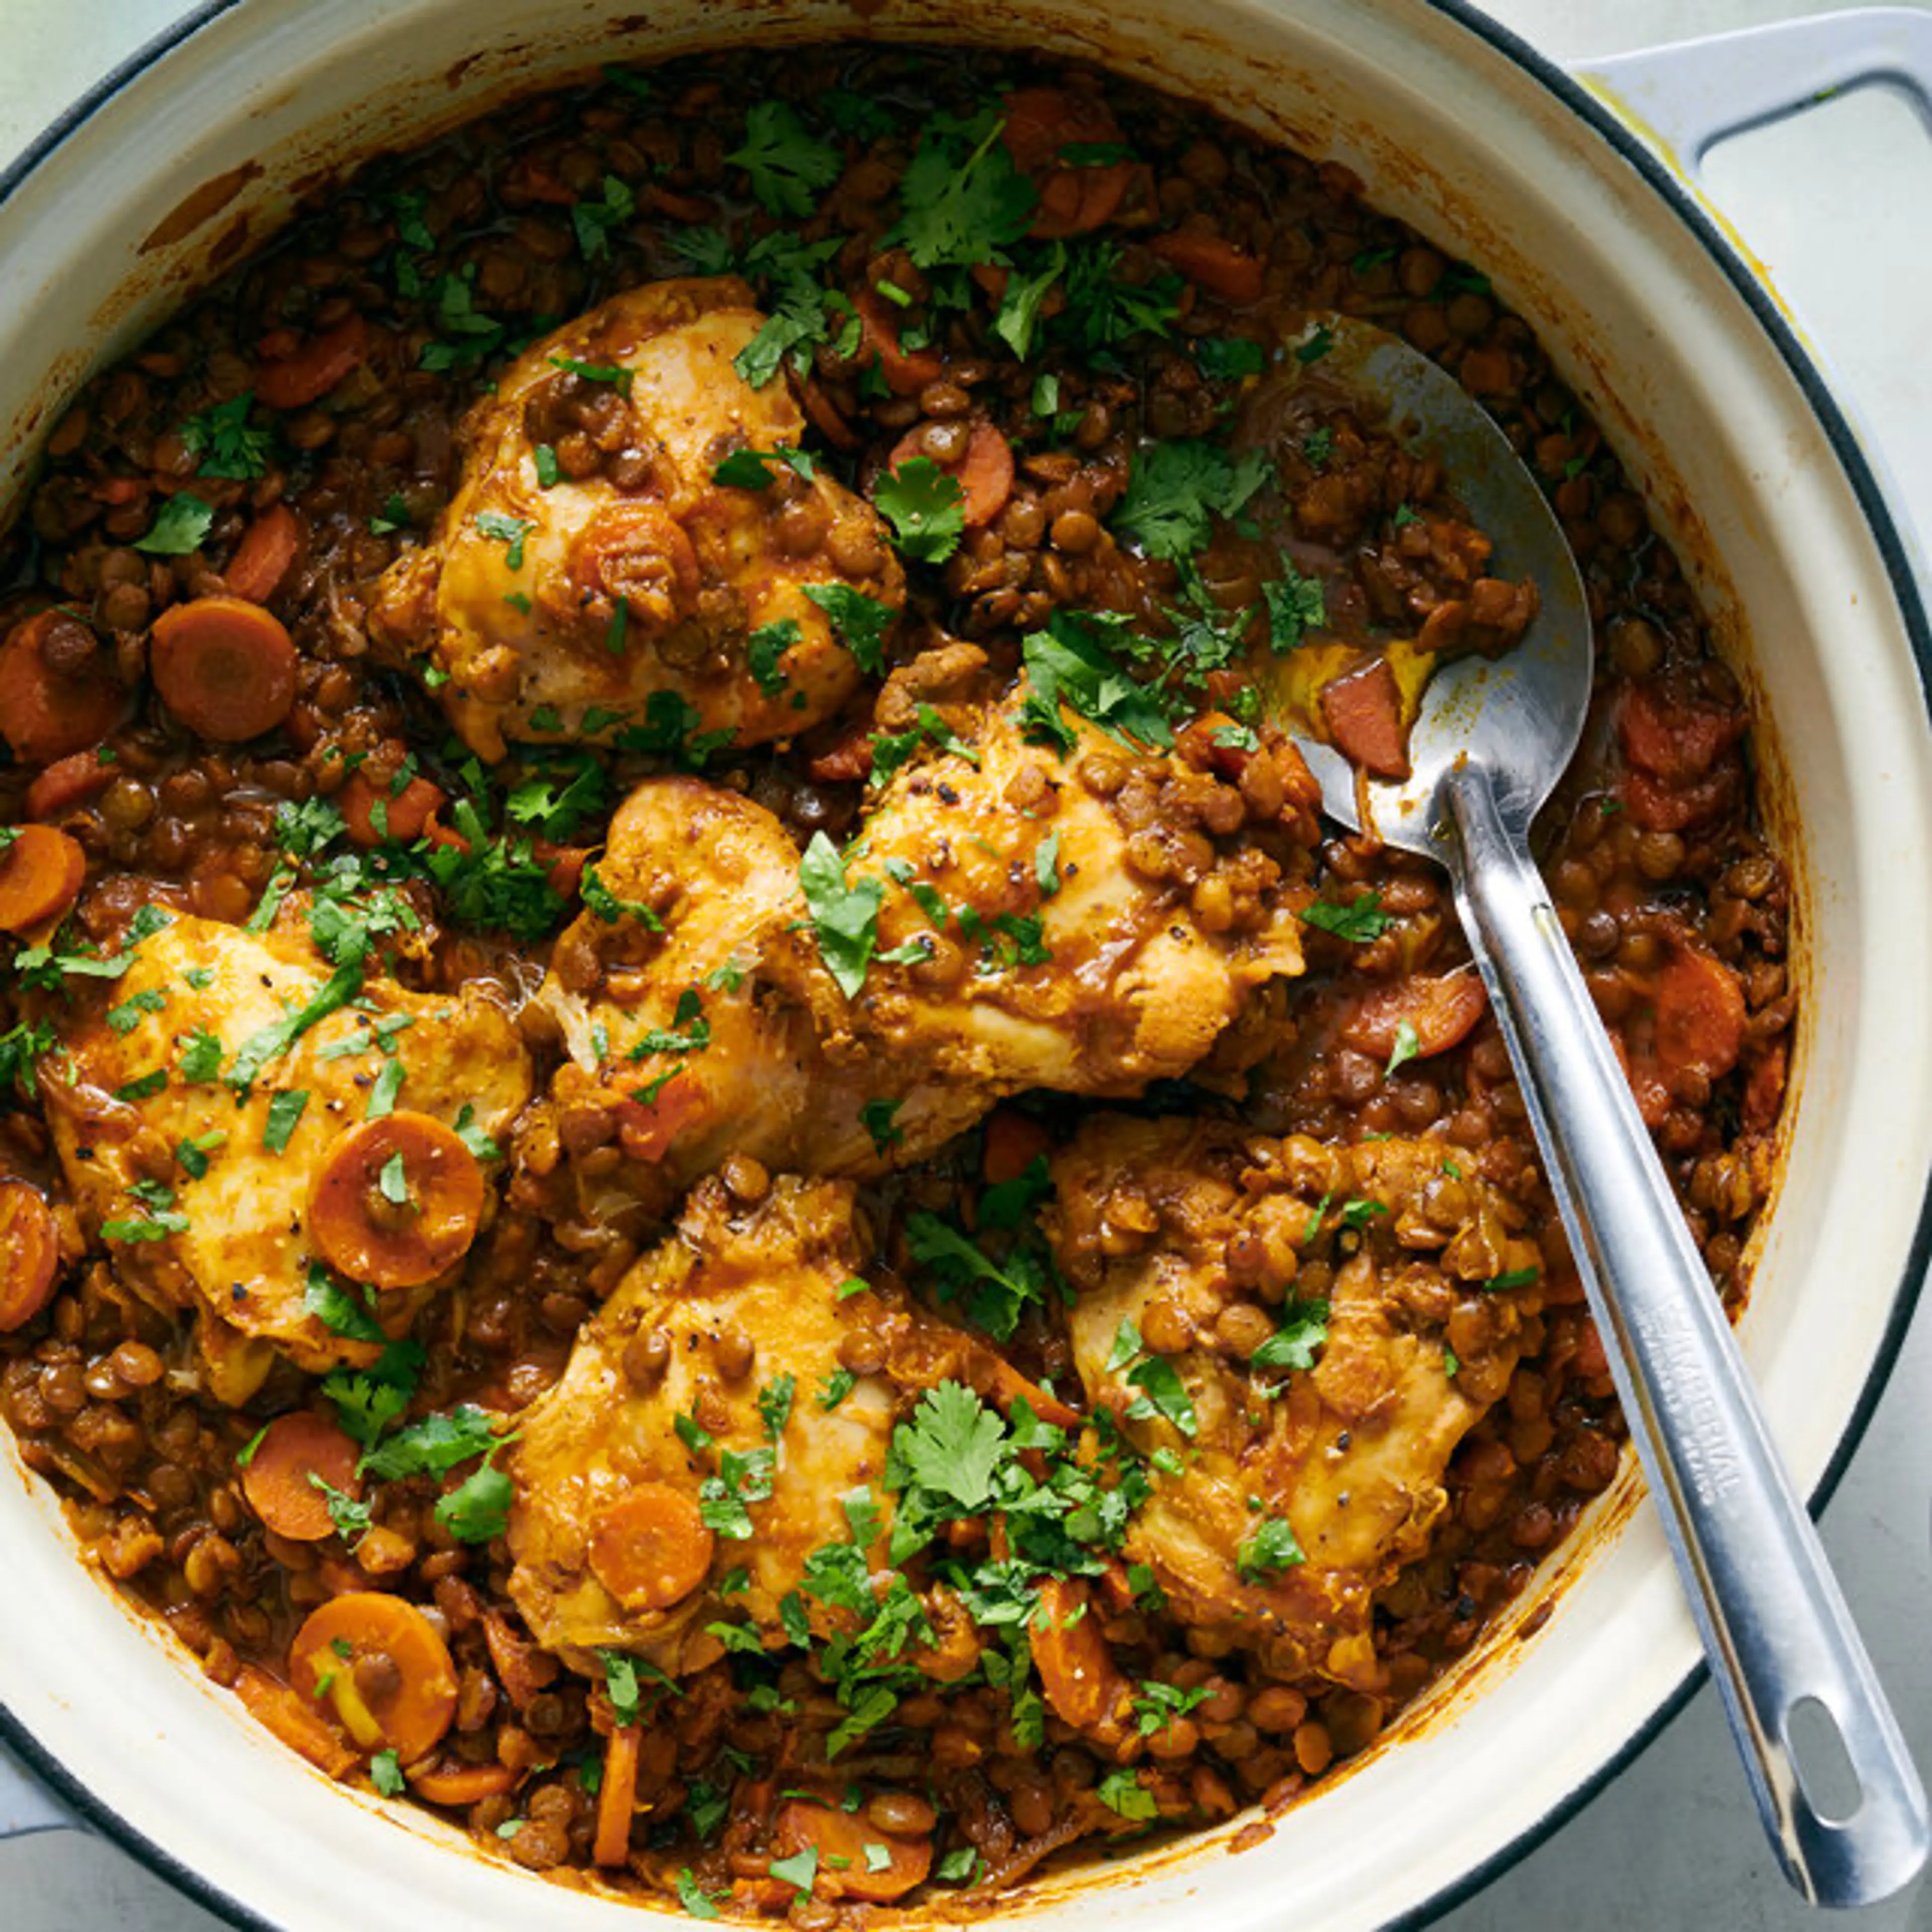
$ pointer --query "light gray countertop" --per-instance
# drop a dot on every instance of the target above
(1674, 1842)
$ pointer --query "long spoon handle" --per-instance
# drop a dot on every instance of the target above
(1775, 1628)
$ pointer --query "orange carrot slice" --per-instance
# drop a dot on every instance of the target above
(404, 815)
(651, 1548)
(29, 1254)
(617, 1796)
(42, 715)
(67, 782)
(856, 1859)
(1700, 1013)
(41, 872)
(277, 1708)
(1077, 1675)
(1442, 1010)
(225, 667)
(905, 371)
(1363, 714)
(1041, 123)
(1211, 262)
(262, 557)
(460, 1785)
(377, 1664)
(985, 473)
(315, 367)
(365, 1232)
(276, 1479)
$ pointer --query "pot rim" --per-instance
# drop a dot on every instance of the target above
(1878, 512)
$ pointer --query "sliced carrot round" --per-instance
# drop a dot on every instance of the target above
(367, 1233)
(277, 1478)
(225, 667)
(405, 814)
(69, 782)
(905, 371)
(1700, 1013)
(294, 381)
(378, 1664)
(1212, 262)
(1077, 1675)
(1441, 1011)
(45, 715)
(29, 1254)
(856, 1859)
(637, 555)
(262, 557)
(985, 473)
(41, 872)
(651, 1548)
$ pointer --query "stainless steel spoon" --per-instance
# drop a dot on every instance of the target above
(1492, 740)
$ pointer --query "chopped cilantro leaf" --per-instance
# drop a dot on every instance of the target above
(845, 917)
(1359, 922)
(180, 528)
(1270, 1550)
(1178, 488)
(860, 622)
(789, 167)
(1304, 1327)
(285, 1111)
(926, 508)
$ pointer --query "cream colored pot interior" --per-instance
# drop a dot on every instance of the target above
(103, 237)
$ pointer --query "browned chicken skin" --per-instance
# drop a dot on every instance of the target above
(1187, 1242)
(557, 612)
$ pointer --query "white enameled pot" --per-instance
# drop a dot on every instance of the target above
(195, 152)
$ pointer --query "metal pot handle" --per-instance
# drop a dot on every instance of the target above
(1687, 96)
(27, 1806)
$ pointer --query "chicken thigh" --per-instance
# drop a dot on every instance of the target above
(1308, 1332)
(709, 1409)
(199, 1177)
(592, 573)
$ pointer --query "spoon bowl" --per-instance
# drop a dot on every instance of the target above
(1518, 717)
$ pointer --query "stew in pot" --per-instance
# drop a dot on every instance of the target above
(707, 1159)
